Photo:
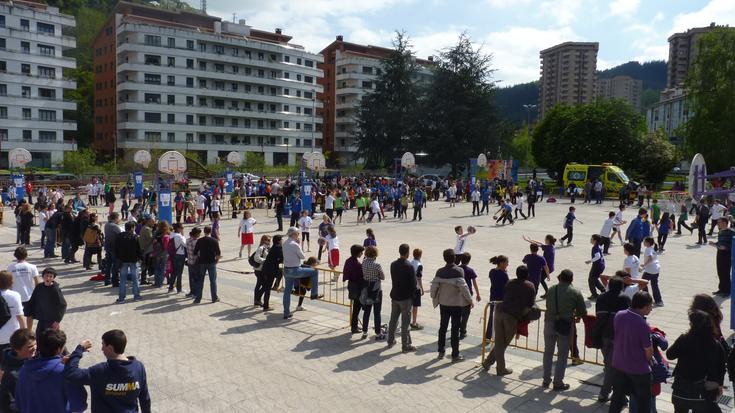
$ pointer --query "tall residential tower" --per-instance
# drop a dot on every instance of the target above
(567, 75)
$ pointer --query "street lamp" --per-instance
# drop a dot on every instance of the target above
(528, 117)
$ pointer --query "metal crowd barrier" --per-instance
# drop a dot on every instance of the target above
(534, 341)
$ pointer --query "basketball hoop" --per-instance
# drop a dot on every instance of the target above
(172, 163)
(142, 158)
(19, 157)
(674, 200)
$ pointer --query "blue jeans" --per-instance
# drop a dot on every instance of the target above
(50, 246)
(111, 267)
(292, 273)
(128, 270)
(65, 247)
(178, 269)
(160, 270)
(653, 279)
(210, 269)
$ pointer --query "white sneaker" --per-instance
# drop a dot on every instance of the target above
(299, 308)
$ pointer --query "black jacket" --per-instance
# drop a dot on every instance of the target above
(404, 280)
(272, 261)
(47, 303)
(127, 248)
(608, 304)
(11, 367)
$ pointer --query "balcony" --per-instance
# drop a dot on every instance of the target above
(66, 42)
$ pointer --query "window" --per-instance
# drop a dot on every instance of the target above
(189, 119)
(44, 71)
(47, 115)
(368, 70)
(3, 112)
(171, 80)
(47, 136)
(190, 101)
(233, 87)
(3, 66)
(218, 121)
(202, 102)
(171, 61)
(190, 44)
(219, 85)
(171, 118)
(298, 60)
(219, 139)
(26, 91)
(171, 99)
(171, 137)
(286, 125)
(152, 98)
(286, 75)
(235, 69)
(261, 73)
(248, 88)
(189, 138)
(152, 117)
(298, 77)
(261, 56)
(203, 83)
(286, 92)
(308, 95)
(45, 93)
(202, 120)
(25, 25)
(219, 68)
(202, 47)
(248, 71)
(202, 138)
(233, 104)
(309, 63)
(171, 42)
(219, 49)
(287, 59)
(309, 79)
(46, 50)
(286, 108)
(2, 21)
(45, 28)
(307, 127)
(151, 79)
(246, 123)
(233, 122)
(189, 63)
(151, 59)
(219, 104)
(307, 111)
(27, 135)
(2, 44)
(25, 47)
(189, 82)
(25, 69)
(235, 52)
(3, 132)
(152, 41)
(367, 85)
(153, 136)
(202, 65)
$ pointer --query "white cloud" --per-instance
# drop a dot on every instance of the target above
(430, 44)
(624, 8)
(506, 4)
(718, 11)
(653, 52)
(560, 12)
(516, 51)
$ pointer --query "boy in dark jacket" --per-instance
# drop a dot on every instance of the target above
(118, 384)
(22, 348)
(47, 304)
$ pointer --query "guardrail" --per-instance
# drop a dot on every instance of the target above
(533, 341)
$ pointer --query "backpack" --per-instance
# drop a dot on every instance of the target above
(90, 236)
(5, 315)
(251, 260)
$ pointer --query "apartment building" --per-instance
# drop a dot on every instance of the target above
(350, 72)
(567, 75)
(186, 81)
(32, 82)
(683, 48)
(621, 87)
(670, 114)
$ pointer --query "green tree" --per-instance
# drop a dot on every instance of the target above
(521, 147)
(386, 116)
(657, 157)
(79, 162)
(602, 131)
(459, 119)
(254, 162)
(711, 84)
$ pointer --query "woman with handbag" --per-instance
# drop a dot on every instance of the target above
(371, 295)
(700, 369)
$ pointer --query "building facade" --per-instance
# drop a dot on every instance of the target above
(179, 80)
(670, 114)
(683, 49)
(621, 87)
(350, 72)
(567, 75)
(32, 82)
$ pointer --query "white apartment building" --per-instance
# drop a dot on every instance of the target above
(350, 72)
(214, 88)
(670, 114)
(32, 82)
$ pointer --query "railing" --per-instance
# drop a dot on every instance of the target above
(533, 341)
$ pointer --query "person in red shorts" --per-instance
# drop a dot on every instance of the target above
(245, 231)
(332, 247)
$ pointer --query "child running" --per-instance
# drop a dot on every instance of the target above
(598, 266)
(245, 232)
(651, 268)
(549, 253)
(332, 247)
(569, 226)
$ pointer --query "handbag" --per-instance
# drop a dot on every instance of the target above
(562, 326)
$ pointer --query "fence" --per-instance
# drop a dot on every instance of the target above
(533, 341)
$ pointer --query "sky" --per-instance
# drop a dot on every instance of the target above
(512, 31)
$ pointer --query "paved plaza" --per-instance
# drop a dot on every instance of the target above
(230, 356)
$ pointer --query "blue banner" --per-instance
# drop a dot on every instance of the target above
(164, 205)
(138, 184)
(514, 170)
(306, 199)
(229, 181)
(19, 181)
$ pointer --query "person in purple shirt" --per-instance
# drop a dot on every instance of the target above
(470, 277)
(598, 266)
(549, 253)
(537, 266)
(498, 280)
(632, 353)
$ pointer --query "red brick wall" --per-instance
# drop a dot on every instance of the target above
(105, 87)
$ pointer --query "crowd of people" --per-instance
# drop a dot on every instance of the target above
(139, 249)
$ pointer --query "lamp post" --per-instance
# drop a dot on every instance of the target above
(528, 117)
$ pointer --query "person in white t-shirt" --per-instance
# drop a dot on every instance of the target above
(631, 263)
(374, 210)
(215, 207)
(201, 201)
(245, 231)
(25, 275)
(717, 210)
(651, 269)
(17, 320)
(619, 221)
(332, 247)
(607, 227)
(461, 244)
(305, 223)
(329, 205)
